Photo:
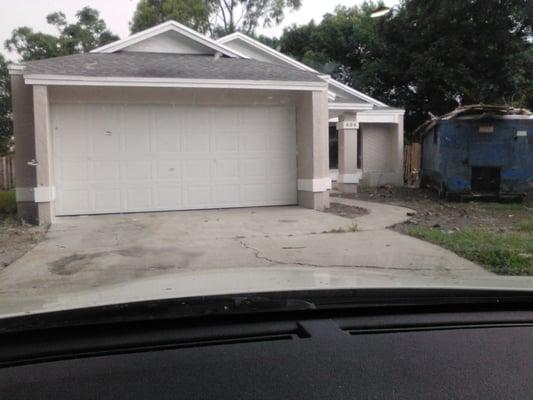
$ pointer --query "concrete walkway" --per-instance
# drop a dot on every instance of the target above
(380, 216)
(178, 253)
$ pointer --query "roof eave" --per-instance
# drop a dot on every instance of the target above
(298, 64)
(71, 80)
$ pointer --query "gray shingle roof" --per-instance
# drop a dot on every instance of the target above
(162, 65)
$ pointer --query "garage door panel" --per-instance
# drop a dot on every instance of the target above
(104, 120)
(105, 170)
(281, 167)
(75, 145)
(254, 192)
(198, 196)
(278, 191)
(197, 169)
(165, 157)
(138, 198)
(255, 142)
(137, 170)
(73, 171)
(225, 169)
(197, 143)
(253, 168)
(105, 144)
(168, 170)
(167, 142)
(73, 200)
(227, 194)
(224, 117)
(257, 117)
(225, 142)
(107, 199)
(168, 197)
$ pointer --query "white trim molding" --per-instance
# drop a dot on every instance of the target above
(71, 80)
(350, 178)
(16, 69)
(24, 194)
(385, 116)
(381, 116)
(357, 93)
(266, 49)
(41, 194)
(314, 185)
(166, 27)
(350, 106)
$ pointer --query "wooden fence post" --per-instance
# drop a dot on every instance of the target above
(411, 171)
(7, 172)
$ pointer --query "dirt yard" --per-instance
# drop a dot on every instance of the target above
(16, 239)
(433, 212)
(498, 236)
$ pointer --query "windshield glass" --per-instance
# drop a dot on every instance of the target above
(166, 149)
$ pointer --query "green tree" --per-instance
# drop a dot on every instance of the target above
(247, 15)
(216, 17)
(193, 13)
(340, 45)
(428, 55)
(6, 125)
(88, 32)
(444, 53)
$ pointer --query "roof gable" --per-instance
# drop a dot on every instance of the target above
(338, 93)
(255, 49)
(169, 37)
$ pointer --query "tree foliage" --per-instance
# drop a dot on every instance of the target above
(247, 15)
(6, 125)
(216, 17)
(192, 13)
(88, 32)
(428, 55)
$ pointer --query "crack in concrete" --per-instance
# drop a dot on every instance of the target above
(257, 254)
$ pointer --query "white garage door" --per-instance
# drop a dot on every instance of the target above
(130, 158)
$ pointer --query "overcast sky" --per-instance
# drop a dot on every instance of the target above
(118, 13)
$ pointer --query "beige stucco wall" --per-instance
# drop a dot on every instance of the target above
(381, 154)
(312, 131)
(96, 94)
(25, 175)
(311, 127)
(170, 42)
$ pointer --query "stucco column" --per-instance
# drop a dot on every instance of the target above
(23, 128)
(349, 174)
(312, 129)
(399, 151)
(44, 191)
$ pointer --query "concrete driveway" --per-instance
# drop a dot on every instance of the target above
(90, 254)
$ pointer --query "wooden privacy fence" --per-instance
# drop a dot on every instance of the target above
(7, 172)
(411, 166)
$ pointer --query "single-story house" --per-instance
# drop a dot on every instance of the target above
(478, 150)
(169, 119)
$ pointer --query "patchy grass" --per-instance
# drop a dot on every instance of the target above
(507, 207)
(8, 203)
(525, 226)
(350, 228)
(509, 253)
